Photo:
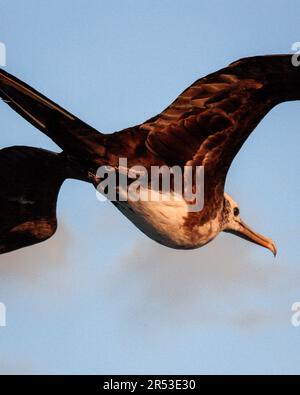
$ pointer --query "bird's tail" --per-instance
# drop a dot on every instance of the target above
(67, 131)
(30, 180)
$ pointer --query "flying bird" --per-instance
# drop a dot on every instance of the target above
(205, 126)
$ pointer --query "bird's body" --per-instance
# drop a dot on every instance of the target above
(164, 221)
(205, 126)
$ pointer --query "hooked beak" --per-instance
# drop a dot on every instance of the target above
(247, 233)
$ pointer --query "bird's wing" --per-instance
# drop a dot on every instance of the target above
(30, 179)
(69, 132)
(209, 122)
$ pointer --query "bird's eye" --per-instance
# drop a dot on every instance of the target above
(236, 211)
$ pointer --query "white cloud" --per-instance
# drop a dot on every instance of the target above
(219, 283)
(32, 262)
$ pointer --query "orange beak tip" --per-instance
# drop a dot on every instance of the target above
(274, 251)
(272, 247)
(247, 233)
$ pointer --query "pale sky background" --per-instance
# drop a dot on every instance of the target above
(99, 297)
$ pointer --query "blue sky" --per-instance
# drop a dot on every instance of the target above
(101, 298)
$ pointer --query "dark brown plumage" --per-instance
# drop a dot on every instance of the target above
(206, 125)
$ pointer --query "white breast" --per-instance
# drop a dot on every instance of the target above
(162, 219)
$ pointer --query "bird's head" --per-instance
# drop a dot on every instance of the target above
(233, 223)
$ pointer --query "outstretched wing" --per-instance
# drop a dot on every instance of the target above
(66, 130)
(209, 122)
(30, 179)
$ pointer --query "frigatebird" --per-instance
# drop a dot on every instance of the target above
(206, 125)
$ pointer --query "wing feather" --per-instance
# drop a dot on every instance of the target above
(65, 129)
(209, 121)
(30, 179)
